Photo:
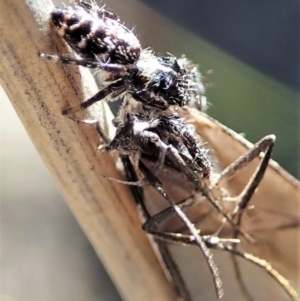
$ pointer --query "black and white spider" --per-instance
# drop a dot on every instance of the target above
(150, 86)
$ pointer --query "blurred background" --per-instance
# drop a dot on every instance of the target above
(252, 49)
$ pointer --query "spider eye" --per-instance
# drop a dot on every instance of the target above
(168, 81)
(57, 17)
(177, 66)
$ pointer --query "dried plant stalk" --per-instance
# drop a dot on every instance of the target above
(39, 91)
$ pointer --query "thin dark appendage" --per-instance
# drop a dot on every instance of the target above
(282, 281)
(193, 177)
(178, 282)
(87, 63)
(247, 193)
(167, 213)
(238, 274)
(199, 241)
(244, 160)
(175, 157)
(227, 217)
(113, 88)
(266, 144)
(243, 199)
(137, 191)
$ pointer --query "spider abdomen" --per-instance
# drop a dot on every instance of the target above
(96, 34)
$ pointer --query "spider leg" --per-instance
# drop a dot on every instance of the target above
(115, 89)
(117, 70)
(101, 134)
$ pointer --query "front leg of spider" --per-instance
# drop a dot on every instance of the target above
(113, 90)
(113, 72)
(116, 70)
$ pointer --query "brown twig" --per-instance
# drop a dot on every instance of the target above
(39, 90)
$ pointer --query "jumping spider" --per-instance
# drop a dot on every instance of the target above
(151, 86)
(148, 84)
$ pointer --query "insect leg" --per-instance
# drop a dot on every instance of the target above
(262, 145)
(199, 241)
(150, 226)
(170, 265)
(281, 280)
(242, 200)
(221, 244)
(177, 160)
(265, 144)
